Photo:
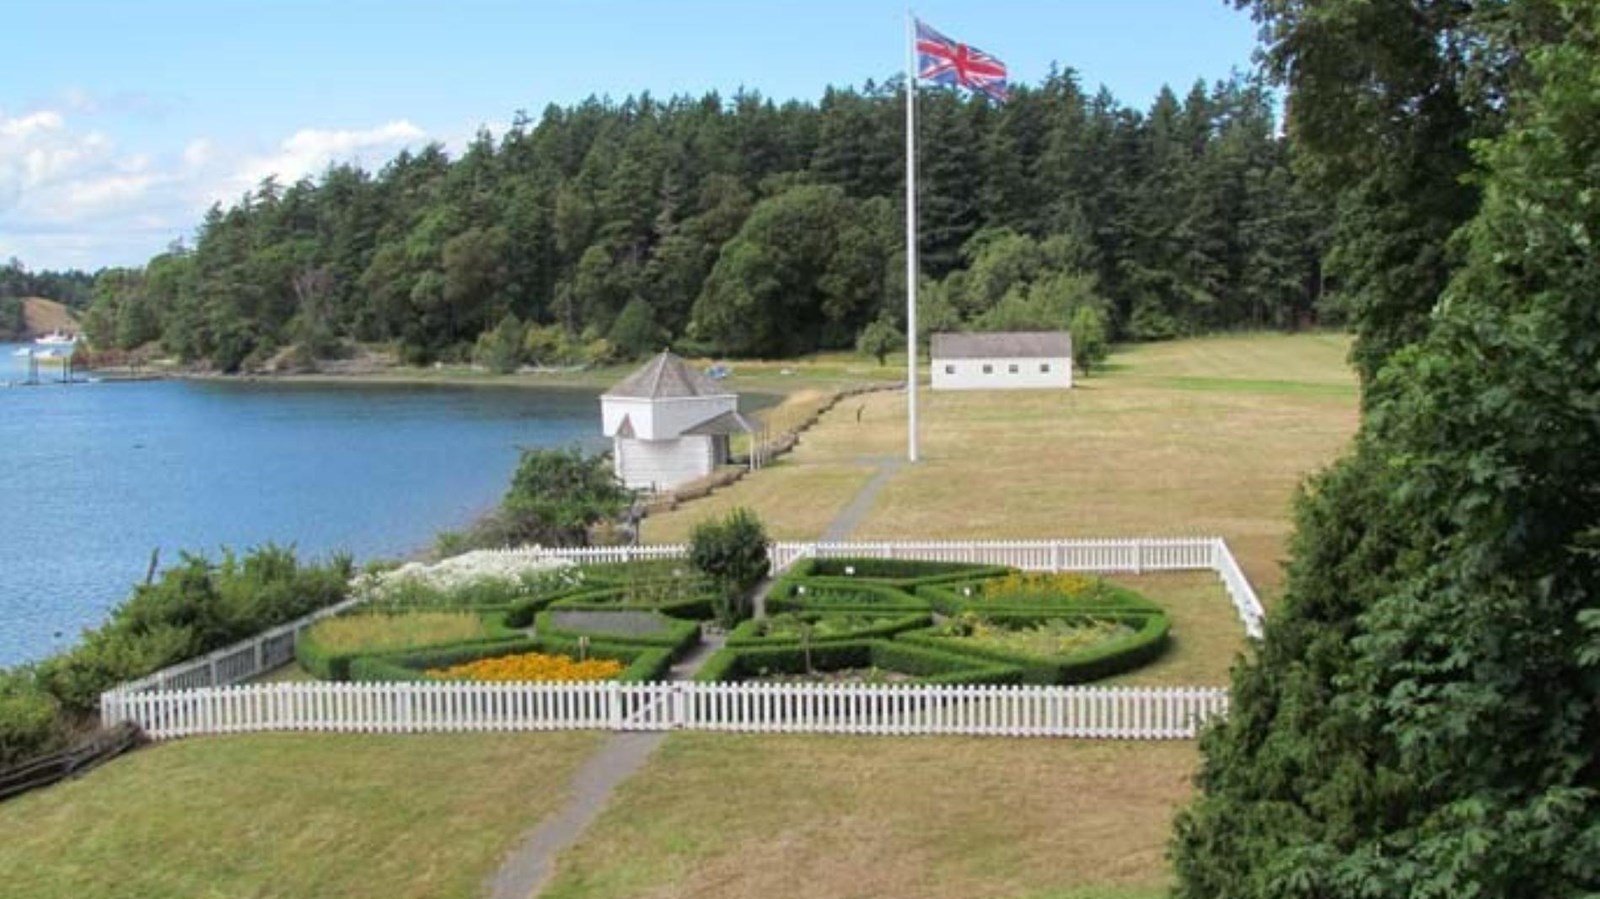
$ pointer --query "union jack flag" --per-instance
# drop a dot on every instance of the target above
(945, 62)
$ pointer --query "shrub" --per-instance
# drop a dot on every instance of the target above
(1034, 592)
(556, 495)
(840, 595)
(694, 607)
(732, 552)
(30, 724)
(898, 572)
(643, 663)
(193, 608)
(785, 628)
(929, 666)
(1146, 642)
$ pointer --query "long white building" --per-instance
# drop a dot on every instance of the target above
(669, 424)
(1006, 360)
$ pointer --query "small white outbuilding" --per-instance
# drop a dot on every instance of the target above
(1007, 360)
(669, 424)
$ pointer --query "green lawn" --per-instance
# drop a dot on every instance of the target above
(288, 816)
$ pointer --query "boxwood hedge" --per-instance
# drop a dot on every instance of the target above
(325, 664)
(749, 633)
(840, 595)
(643, 663)
(952, 599)
(1147, 642)
(697, 607)
(928, 665)
(623, 627)
(895, 572)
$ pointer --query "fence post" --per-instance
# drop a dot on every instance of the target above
(614, 701)
(1056, 552)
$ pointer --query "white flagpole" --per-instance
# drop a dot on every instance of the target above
(911, 236)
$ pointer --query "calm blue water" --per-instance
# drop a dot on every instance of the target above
(92, 477)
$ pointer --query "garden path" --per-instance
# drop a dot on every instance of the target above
(525, 873)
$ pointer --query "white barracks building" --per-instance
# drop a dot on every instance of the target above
(669, 424)
(1017, 360)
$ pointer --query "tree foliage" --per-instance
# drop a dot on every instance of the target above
(1423, 717)
(744, 226)
(732, 552)
(556, 495)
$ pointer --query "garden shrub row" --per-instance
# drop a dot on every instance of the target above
(1147, 642)
(839, 595)
(675, 635)
(952, 599)
(749, 633)
(928, 665)
(697, 607)
(895, 572)
(643, 663)
(327, 664)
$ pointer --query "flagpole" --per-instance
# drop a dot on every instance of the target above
(911, 236)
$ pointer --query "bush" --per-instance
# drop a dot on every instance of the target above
(840, 595)
(644, 663)
(1147, 642)
(556, 495)
(694, 607)
(30, 722)
(861, 626)
(194, 608)
(929, 666)
(332, 662)
(898, 572)
(1032, 593)
(732, 552)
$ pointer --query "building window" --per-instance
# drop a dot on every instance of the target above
(1013, 368)
(949, 369)
(988, 369)
(1044, 368)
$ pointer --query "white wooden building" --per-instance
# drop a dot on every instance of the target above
(1014, 360)
(669, 424)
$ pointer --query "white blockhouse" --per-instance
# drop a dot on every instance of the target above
(1016, 360)
(669, 424)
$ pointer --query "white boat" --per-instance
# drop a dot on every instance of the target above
(57, 338)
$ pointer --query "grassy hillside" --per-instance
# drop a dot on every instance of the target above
(42, 316)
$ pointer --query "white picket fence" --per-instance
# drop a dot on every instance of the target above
(274, 648)
(1131, 713)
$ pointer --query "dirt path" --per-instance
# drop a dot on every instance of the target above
(851, 516)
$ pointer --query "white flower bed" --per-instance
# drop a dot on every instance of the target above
(520, 569)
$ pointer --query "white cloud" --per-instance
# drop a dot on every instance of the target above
(70, 196)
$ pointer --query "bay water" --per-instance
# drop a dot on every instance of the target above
(93, 477)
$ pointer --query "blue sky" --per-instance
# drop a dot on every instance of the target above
(121, 121)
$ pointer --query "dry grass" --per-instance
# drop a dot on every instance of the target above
(1206, 633)
(737, 816)
(797, 498)
(1207, 436)
(43, 316)
(289, 816)
(377, 633)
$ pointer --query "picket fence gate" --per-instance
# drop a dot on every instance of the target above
(1130, 713)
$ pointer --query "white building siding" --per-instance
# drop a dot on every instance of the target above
(1002, 374)
(661, 464)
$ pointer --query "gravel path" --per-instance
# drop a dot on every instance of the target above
(526, 872)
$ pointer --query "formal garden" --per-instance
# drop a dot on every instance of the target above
(837, 620)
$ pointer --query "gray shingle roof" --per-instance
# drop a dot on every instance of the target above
(726, 423)
(1004, 345)
(667, 376)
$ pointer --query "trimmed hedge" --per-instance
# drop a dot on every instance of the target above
(948, 599)
(748, 632)
(1145, 644)
(643, 663)
(696, 608)
(895, 572)
(622, 574)
(929, 666)
(335, 666)
(676, 636)
(840, 595)
(522, 614)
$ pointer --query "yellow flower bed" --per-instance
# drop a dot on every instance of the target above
(531, 666)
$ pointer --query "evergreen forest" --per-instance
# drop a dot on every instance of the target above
(739, 226)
